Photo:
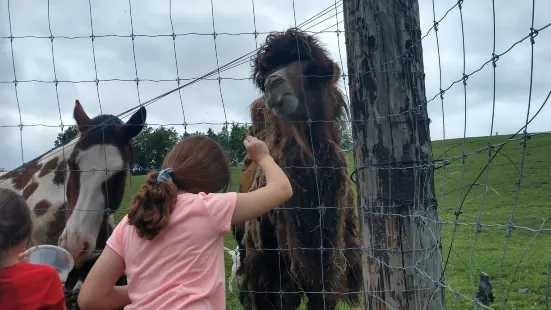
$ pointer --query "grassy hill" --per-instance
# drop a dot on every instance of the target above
(527, 250)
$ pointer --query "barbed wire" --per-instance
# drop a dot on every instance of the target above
(492, 148)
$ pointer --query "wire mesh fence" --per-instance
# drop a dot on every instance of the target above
(485, 70)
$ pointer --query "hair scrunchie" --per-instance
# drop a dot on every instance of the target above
(164, 175)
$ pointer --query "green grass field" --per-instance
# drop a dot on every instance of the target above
(524, 267)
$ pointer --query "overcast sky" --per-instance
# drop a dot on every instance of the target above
(233, 20)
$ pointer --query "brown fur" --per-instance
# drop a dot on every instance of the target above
(41, 207)
(49, 167)
(282, 249)
(20, 178)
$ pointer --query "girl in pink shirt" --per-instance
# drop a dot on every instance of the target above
(171, 241)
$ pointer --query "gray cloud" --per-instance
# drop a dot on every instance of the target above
(512, 23)
(201, 105)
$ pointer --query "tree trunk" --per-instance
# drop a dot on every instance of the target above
(398, 211)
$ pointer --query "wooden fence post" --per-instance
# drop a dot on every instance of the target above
(398, 209)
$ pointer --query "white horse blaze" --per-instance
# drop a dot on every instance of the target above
(97, 165)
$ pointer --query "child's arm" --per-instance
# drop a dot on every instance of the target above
(98, 290)
(277, 190)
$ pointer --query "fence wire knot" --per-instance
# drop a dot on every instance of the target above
(495, 58)
(491, 147)
(465, 78)
(478, 227)
(533, 34)
(510, 228)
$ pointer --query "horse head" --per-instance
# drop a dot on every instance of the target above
(98, 167)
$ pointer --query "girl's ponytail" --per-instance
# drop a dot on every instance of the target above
(151, 207)
(200, 165)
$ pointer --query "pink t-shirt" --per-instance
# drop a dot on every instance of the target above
(183, 266)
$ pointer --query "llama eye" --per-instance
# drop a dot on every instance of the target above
(262, 80)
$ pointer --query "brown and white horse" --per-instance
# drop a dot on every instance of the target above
(73, 190)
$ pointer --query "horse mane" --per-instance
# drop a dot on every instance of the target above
(106, 120)
(12, 172)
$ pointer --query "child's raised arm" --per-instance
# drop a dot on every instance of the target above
(277, 190)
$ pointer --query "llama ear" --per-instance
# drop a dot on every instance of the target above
(83, 121)
(134, 125)
(336, 73)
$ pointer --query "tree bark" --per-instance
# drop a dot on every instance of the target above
(398, 211)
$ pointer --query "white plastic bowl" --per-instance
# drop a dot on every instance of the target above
(52, 255)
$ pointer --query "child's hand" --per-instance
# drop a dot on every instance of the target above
(257, 149)
(23, 256)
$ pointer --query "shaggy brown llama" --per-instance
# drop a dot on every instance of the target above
(309, 246)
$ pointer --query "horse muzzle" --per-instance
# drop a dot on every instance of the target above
(79, 247)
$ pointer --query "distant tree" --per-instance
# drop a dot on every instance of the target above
(151, 146)
(236, 148)
(211, 134)
(230, 140)
(66, 136)
(224, 137)
(190, 134)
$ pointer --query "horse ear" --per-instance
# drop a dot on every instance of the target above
(135, 124)
(83, 121)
